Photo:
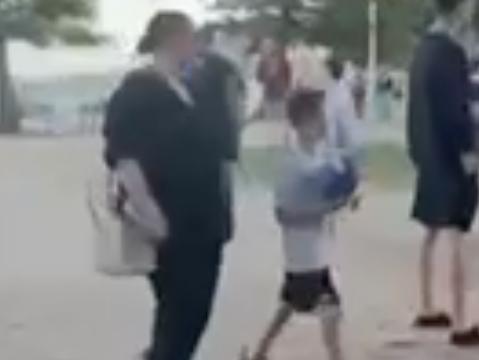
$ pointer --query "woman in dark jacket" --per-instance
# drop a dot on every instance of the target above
(153, 118)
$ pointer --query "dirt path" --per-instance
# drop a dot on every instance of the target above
(54, 307)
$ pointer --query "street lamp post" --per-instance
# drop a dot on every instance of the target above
(372, 58)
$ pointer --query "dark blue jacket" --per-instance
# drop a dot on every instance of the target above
(439, 126)
(178, 149)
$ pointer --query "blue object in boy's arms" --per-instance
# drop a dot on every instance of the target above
(332, 186)
(322, 191)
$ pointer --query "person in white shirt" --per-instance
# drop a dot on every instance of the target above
(316, 181)
(345, 131)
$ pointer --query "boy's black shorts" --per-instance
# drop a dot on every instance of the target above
(305, 292)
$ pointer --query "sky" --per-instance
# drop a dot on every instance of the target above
(123, 20)
(126, 18)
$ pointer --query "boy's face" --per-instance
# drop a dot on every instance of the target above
(312, 129)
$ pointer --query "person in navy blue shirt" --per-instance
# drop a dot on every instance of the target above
(156, 119)
(441, 146)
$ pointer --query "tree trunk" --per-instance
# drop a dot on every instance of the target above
(10, 113)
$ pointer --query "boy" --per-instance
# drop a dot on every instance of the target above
(315, 181)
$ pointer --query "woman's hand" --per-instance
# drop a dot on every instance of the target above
(116, 195)
(139, 203)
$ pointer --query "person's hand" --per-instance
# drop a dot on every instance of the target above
(470, 163)
(357, 199)
(356, 202)
(140, 205)
(280, 215)
(116, 197)
(475, 112)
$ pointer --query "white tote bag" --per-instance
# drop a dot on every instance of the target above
(125, 245)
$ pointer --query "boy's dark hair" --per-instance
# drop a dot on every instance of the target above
(304, 105)
(335, 67)
(447, 6)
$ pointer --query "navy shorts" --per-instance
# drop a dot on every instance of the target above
(445, 199)
(305, 292)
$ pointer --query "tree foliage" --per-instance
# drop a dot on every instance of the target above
(38, 22)
(342, 24)
(53, 10)
(284, 19)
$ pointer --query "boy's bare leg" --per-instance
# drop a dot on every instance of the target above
(458, 279)
(331, 327)
(427, 272)
(280, 320)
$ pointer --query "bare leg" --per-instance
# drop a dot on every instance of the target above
(458, 279)
(427, 272)
(280, 320)
(461, 334)
(331, 326)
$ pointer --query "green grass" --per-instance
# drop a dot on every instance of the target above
(387, 166)
(259, 166)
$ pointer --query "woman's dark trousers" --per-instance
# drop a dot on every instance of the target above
(184, 287)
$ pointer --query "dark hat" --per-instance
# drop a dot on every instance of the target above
(161, 27)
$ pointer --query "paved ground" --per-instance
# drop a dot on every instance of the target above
(54, 307)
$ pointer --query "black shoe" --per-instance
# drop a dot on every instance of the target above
(467, 338)
(145, 355)
(434, 321)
